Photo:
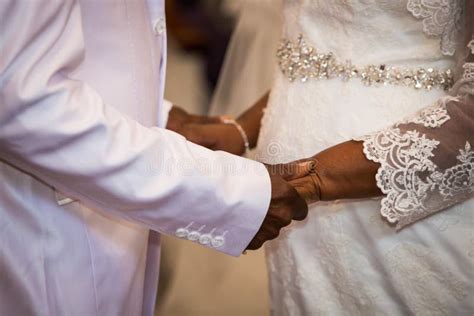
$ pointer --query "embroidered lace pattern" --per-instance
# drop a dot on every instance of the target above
(469, 67)
(441, 18)
(433, 116)
(468, 71)
(410, 179)
(414, 185)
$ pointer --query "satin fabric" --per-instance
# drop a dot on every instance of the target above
(81, 93)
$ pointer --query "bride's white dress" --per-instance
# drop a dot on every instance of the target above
(346, 258)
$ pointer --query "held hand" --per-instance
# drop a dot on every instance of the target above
(218, 136)
(308, 182)
(286, 205)
(179, 119)
(209, 132)
(339, 172)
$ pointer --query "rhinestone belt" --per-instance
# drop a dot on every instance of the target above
(297, 60)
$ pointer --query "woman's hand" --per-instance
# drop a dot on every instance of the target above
(213, 133)
(216, 136)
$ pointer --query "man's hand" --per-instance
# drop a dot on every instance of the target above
(178, 119)
(206, 131)
(286, 204)
(219, 136)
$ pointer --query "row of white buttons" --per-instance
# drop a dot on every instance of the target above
(203, 239)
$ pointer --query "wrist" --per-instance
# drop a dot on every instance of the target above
(323, 181)
(252, 136)
(307, 178)
(241, 132)
(345, 173)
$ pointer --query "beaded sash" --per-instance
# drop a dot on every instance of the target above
(297, 60)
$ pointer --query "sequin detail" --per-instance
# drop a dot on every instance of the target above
(299, 61)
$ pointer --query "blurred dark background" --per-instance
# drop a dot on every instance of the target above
(202, 27)
(194, 280)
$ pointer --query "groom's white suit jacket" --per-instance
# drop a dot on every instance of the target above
(81, 91)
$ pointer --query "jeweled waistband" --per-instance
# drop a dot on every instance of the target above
(297, 60)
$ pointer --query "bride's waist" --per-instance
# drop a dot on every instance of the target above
(333, 111)
(300, 61)
(343, 101)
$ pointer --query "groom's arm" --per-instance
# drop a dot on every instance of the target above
(60, 131)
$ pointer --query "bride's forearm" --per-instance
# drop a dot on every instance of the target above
(337, 173)
(250, 119)
(345, 173)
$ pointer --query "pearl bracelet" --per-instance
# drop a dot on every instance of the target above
(229, 120)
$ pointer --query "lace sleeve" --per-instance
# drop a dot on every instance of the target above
(427, 161)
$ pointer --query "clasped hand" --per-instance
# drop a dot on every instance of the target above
(206, 131)
(291, 183)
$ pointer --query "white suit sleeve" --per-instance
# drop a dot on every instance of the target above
(60, 131)
(427, 161)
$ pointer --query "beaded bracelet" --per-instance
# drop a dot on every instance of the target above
(229, 120)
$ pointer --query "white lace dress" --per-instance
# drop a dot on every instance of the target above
(349, 257)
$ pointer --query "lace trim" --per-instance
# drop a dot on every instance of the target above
(412, 183)
(469, 67)
(470, 45)
(466, 83)
(433, 116)
(441, 18)
(468, 71)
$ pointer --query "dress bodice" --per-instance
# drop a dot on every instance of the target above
(345, 259)
(395, 32)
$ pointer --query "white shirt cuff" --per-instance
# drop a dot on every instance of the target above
(165, 111)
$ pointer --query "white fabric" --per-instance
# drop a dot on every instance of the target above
(346, 259)
(166, 108)
(81, 89)
(440, 18)
(427, 162)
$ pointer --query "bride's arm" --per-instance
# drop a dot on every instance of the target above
(251, 119)
(421, 166)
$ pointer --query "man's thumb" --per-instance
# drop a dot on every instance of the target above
(302, 168)
(294, 170)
